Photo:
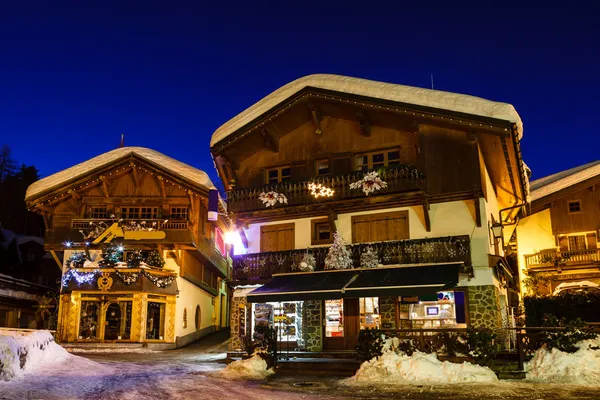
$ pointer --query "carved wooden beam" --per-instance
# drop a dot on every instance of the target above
(56, 260)
(161, 184)
(426, 214)
(105, 188)
(74, 194)
(365, 126)
(77, 199)
(192, 207)
(269, 142)
(477, 210)
(332, 217)
(239, 227)
(316, 117)
(136, 178)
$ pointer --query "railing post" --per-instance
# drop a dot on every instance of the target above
(520, 350)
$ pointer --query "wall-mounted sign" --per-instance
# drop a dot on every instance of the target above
(115, 231)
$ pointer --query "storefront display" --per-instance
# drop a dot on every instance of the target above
(369, 313)
(334, 318)
(285, 317)
(428, 313)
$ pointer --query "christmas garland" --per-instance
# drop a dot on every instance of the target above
(80, 277)
(159, 281)
(128, 277)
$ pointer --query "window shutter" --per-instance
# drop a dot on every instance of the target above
(459, 305)
(299, 172)
(563, 243)
(341, 165)
(592, 242)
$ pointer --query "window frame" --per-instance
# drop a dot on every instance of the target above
(93, 215)
(139, 215)
(320, 160)
(314, 240)
(280, 177)
(574, 202)
(370, 154)
(180, 215)
(577, 238)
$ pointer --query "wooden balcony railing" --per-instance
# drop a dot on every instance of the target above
(559, 259)
(262, 266)
(174, 225)
(399, 178)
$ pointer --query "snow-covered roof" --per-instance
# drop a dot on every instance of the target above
(387, 91)
(553, 183)
(185, 171)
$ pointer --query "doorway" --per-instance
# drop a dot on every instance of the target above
(112, 322)
(340, 330)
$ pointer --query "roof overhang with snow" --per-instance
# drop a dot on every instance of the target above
(433, 101)
(552, 184)
(190, 175)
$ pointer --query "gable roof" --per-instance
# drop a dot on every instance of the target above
(387, 91)
(177, 168)
(553, 183)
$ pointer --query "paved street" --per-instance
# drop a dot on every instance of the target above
(185, 374)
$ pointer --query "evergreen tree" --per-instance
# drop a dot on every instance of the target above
(112, 253)
(155, 259)
(77, 260)
(7, 164)
(135, 258)
(339, 256)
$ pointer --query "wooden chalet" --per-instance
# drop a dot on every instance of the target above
(141, 203)
(559, 237)
(452, 169)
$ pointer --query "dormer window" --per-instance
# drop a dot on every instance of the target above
(377, 159)
(279, 174)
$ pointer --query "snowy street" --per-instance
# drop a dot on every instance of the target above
(185, 374)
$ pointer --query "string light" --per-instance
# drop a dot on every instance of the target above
(318, 190)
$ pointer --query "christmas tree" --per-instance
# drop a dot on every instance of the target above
(155, 259)
(112, 253)
(369, 258)
(339, 256)
(135, 258)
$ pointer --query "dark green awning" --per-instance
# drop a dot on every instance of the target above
(386, 281)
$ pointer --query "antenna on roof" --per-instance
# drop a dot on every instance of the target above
(122, 144)
(432, 80)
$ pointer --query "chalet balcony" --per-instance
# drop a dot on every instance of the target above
(261, 266)
(554, 259)
(399, 178)
(175, 225)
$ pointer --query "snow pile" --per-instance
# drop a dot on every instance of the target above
(581, 367)
(26, 350)
(397, 368)
(251, 369)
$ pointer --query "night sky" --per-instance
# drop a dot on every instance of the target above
(73, 79)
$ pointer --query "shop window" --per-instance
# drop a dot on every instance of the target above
(376, 159)
(197, 317)
(155, 321)
(322, 167)
(97, 212)
(574, 206)
(279, 174)
(369, 313)
(179, 213)
(334, 318)
(88, 321)
(285, 317)
(447, 311)
(321, 232)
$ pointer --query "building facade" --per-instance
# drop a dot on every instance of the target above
(558, 240)
(141, 260)
(413, 180)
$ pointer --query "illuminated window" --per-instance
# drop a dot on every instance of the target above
(279, 174)
(376, 159)
(577, 243)
(321, 232)
(97, 212)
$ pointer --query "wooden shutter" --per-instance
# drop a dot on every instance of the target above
(277, 237)
(299, 171)
(361, 229)
(380, 227)
(340, 165)
(563, 243)
(592, 242)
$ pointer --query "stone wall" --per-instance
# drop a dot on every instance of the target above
(484, 307)
(238, 304)
(387, 310)
(311, 322)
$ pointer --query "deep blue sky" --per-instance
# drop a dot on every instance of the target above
(72, 79)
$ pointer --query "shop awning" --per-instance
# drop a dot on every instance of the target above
(404, 281)
(323, 285)
(386, 281)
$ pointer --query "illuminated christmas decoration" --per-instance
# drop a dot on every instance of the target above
(159, 281)
(80, 277)
(128, 277)
(370, 183)
(271, 198)
(318, 190)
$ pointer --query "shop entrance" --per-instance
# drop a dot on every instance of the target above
(112, 322)
(341, 325)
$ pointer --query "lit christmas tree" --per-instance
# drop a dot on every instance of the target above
(369, 258)
(112, 253)
(339, 256)
(155, 259)
(77, 260)
(135, 258)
